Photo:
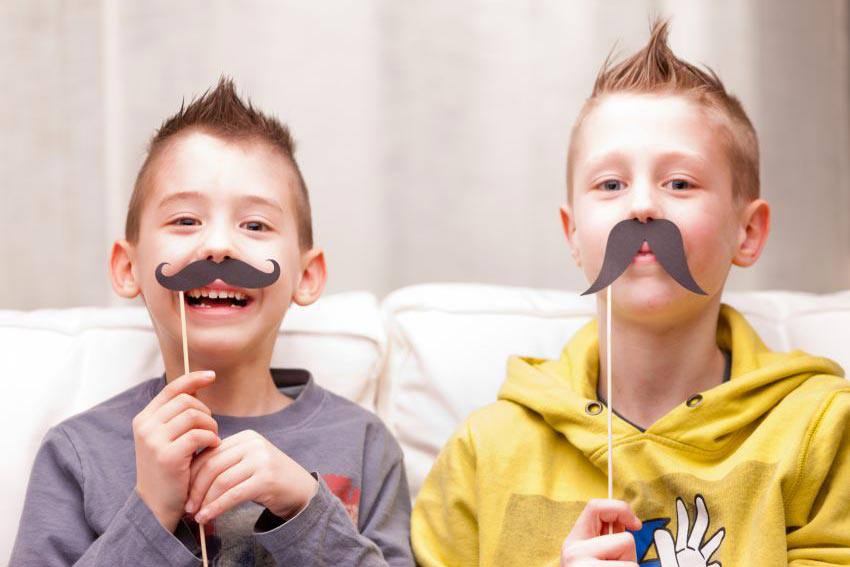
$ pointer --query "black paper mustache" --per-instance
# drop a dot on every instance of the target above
(202, 272)
(626, 239)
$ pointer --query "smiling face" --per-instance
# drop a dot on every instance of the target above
(213, 198)
(661, 157)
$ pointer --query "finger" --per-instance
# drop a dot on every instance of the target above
(201, 476)
(664, 547)
(612, 528)
(712, 545)
(621, 517)
(238, 438)
(192, 440)
(243, 492)
(682, 528)
(190, 419)
(229, 478)
(617, 547)
(619, 527)
(177, 405)
(598, 512)
(189, 383)
(700, 524)
(227, 444)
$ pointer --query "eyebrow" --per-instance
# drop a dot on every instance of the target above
(255, 199)
(619, 156)
(689, 157)
(180, 195)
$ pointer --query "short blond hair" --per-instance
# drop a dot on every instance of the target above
(656, 70)
(221, 112)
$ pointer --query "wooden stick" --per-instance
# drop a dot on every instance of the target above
(183, 333)
(186, 371)
(608, 374)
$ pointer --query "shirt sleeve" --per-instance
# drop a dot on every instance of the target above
(54, 531)
(444, 526)
(819, 525)
(323, 533)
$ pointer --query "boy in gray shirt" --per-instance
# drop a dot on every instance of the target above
(277, 470)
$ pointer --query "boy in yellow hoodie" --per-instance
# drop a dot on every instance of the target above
(724, 452)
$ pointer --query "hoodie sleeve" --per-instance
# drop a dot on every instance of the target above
(54, 531)
(819, 524)
(444, 524)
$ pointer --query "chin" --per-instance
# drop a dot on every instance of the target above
(219, 345)
(653, 300)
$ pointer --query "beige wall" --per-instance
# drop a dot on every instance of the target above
(431, 134)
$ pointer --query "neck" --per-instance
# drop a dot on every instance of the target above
(657, 366)
(242, 387)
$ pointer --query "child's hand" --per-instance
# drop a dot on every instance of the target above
(246, 466)
(589, 542)
(166, 435)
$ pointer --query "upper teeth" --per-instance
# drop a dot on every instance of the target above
(216, 293)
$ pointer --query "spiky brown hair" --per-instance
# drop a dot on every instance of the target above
(655, 69)
(222, 112)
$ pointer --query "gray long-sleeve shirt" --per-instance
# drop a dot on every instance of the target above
(82, 509)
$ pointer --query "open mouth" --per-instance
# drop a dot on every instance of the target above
(205, 298)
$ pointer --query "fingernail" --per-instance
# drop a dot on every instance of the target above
(201, 517)
(189, 508)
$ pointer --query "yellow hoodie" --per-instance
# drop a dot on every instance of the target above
(755, 473)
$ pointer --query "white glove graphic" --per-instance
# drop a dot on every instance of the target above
(688, 551)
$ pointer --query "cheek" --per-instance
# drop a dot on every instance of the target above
(709, 244)
(591, 236)
(176, 252)
(289, 275)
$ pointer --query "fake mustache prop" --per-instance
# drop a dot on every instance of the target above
(626, 239)
(231, 271)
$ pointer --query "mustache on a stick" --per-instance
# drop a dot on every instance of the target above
(624, 242)
(230, 270)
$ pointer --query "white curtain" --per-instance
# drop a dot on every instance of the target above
(432, 134)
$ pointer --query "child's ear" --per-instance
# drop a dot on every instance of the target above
(313, 277)
(121, 270)
(569, 231)
(752, 234)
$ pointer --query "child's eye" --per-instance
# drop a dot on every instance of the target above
(185, 221)
(680, 184)
(611, 185)
(256, 226)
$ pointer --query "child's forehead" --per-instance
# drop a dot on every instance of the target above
(656, 123)
(207, 167)
(199, 151)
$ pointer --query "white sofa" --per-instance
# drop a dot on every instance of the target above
(423, 358)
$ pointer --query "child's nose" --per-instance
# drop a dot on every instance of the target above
(216, 254)
(218, 258)
(643, 204)
(217, 246)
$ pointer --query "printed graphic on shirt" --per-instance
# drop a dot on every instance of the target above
(689, 548)
(349, 495)
(687, 521)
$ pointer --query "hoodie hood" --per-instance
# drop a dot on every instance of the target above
(561, 391)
